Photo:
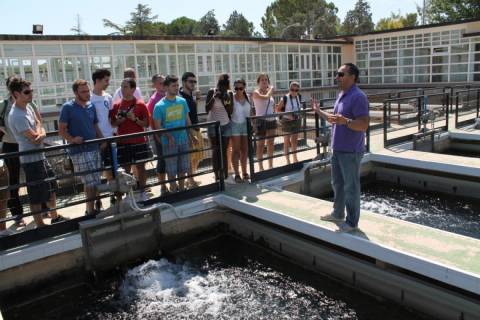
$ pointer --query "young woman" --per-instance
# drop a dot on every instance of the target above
(264, 128)
(291, 122)
(241, 110)
(219, 106)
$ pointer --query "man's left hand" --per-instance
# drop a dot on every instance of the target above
(339, 119)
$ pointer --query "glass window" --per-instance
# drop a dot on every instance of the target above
(280, 48)
(226, 63)
(422, 78)
(439, 59)
(390, 71)
(459, 49)
(375, 63)
(166, 48)
(118, 66)
(422, 70)
(13, 66)
(440, 78)
(390, 62)
(422, 60)
(27, 69)
(457, 68)
(74, 49)
(406, 61)
(390, 79)
(292, 48)
(68, 65)
(142, 67)
(145, 48)
(162, 64)
(237, 48)
(57, 69)
(458, 77)
(124, 48)
(99, 49)
(305, 49)
(406, 79)
(390, 54)
(459, 58)
(406, 52)
(376, 72)
(130, 62)
(186, 48)
(82, 68)
(406, 70)
(440, 69)
(361, 56)
(42, 65)
(422, 52)
(17, 50)
(47, 50)
(172, 64)
(251, 47)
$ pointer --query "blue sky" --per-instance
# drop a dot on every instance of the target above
(59, 16)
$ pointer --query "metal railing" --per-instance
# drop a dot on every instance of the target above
(467, 107)
(71, 192)
(413, 113)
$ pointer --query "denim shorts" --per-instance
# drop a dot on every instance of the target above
(239, 129)
(225, 130)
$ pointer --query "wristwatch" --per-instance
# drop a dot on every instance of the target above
(348, 122)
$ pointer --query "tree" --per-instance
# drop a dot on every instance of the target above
(77, 29)
(300, 18)
(452, 10)
(238, 25)
(141, 22)
(208, 24)
(182, 26)
(358, 20)
(397, 21)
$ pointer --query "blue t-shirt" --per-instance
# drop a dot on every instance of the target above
(352, 104)
(80, 123)
(172, 114)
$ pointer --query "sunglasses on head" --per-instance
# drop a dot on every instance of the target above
(239, 88)
(27, 91)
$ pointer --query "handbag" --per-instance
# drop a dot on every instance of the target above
(262, 125)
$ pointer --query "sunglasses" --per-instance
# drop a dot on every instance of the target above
(28, 91)
(294, 90)
(239, 89)
(192, 81)
(340, 74)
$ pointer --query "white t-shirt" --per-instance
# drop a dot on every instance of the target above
(240, 111)
(264, 107)
(118, 94)
(103, 104)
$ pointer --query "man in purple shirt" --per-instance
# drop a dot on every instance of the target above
(349, 122)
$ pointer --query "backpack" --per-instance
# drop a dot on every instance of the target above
(3, 111)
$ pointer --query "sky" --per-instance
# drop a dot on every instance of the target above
(59, 16)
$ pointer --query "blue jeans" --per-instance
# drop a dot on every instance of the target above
(346, 185)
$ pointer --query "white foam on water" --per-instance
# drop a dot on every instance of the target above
(162, 285)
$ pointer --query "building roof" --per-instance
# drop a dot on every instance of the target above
(28, 37)
(425, 26)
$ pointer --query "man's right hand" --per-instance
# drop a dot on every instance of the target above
(77, 140)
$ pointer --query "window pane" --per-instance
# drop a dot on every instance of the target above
(74, 50)
(204, 47)
(57, 69)
(70, 75)
(27, 69)
(17, 50)
(99, 49)
(162, 64)
(42, 66)
(145, 48)
(47, 50)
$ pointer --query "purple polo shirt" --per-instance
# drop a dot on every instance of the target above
(352, 104)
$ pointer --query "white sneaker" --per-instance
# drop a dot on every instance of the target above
(6, 233)
(331, 217)
(230, 180)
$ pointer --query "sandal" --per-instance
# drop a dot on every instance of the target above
(20, 224)
(246, 177)
(238, 179)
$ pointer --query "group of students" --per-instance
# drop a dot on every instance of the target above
(94, 113)
(233, 108)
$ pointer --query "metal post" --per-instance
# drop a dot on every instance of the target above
(478, 102)
(317, 132)
(251, 149)
(456, 110)
(113, 151)
(419, 112)
(323, 123)
(220, 155)
(385, 124)
(368, 137)
(447, 99)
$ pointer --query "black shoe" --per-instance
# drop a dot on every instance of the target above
(58, 219)
(98, 205)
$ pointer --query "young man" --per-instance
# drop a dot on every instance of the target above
(157, 83)
(130, 115)
(189, 81)
(13, 164)
(78, 123)
(172, 112)
(350, 122)
(29, 134)
(128, 73)
(103, 104)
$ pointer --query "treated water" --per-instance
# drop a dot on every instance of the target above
(225, 279)
(449, 213)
